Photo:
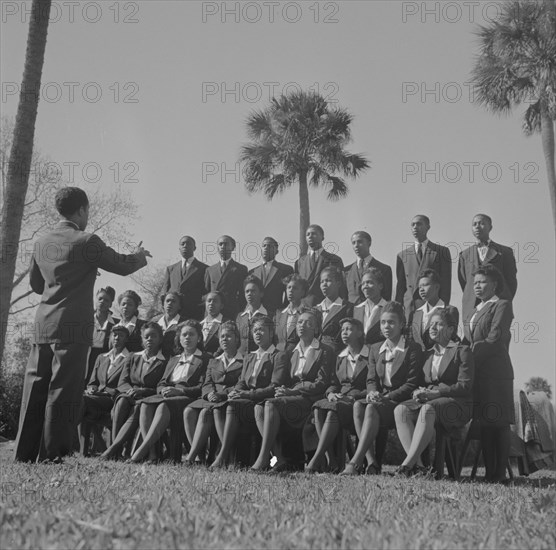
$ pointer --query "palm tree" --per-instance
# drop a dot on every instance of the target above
(517, 63)
(300, 139)
(21, 153)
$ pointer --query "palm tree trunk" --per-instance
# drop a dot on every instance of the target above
(304, 215)
(547, 136)
(20, 156)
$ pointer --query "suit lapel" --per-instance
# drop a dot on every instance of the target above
(359, 366)
(191, 271)
(333, 314)
(310, 359)
(491, 254)
(380, 367)
(117, 371)
(271, 274)
(480, 315)
(397, 363)
(430, 255)
(194, 366)
(447, 358)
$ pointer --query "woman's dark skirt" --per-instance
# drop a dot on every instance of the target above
(205, 404)
(343, 408)
(494, 402)
(385, 411)
(293, 409)
(450, 413)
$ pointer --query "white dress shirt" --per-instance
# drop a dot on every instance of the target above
(113, 358)
(130, 325)
(228, 363)
(423, 246)
(261, 310)
(482, 249)
(390, 354)
(100, 331)
(326, 306)
(304, 355)
(174, 321)
(208, 322)
(261, 355)
(293, 314)
(428, 310)
(439, 352)
(182, 369)
(372, 313)
(352, 359)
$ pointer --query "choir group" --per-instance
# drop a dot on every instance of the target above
(241, 364)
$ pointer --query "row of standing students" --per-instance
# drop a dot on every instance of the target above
(357, 368)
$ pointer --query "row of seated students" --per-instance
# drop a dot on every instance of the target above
(354, 368)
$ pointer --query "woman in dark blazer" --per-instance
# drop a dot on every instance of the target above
(263, 371)
(445, 400)
(140, 374)
(368, 312)
(348, 384)
(180, 386)
(312, 365)
(488, 334)
(214, 304)
(395, 370)
(128, 303)
(103, 323)
(172, 304)
(222, 375)
(285, 320)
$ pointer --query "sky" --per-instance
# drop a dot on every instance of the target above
(153, 97)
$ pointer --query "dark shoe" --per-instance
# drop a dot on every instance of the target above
(351, 469)
(403, 471)
(423, 471)
(373, 470)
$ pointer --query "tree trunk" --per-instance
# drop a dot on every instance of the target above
(304, 216)
(547, 136)
(20, 156)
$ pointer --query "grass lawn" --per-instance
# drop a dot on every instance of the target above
(86, 503)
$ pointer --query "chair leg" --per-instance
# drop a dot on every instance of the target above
(439, 455)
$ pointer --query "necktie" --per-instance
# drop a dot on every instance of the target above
(292, 321)
(222, 267)
(312, 262)
(360, 267)
(184, 269)
(420, 252)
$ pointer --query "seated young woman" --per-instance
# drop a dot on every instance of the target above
(103, 323)
(445, 400)
(140, 374)
(169, 320)
(102, 389)
(368, 312)
(285, 321)
(395, 370)
(263, 370)
(333, 308)
(180, 386)
(214, 304)
(222, 375)
(348, 384)
(253, 290)
(285, 414)
(128, 304)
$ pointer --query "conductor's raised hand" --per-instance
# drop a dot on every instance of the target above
(139, 250)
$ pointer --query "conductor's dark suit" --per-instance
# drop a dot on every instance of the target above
(63, 270)
(312, 275)
(408, 269)
(274, 288)
(230, 283)
(191, 284)
(499, 256)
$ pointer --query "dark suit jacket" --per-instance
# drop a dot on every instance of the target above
(350, 387)
(407, 372)
(353, 281)
(374, 334)
(191, 285)
(63, 269)
(273, 373)
(499, 256)
(230, 284)
(455, 373)
(312, 276)
(436, 257)
(169, 337)
(274, 289)
(100, 381)
(133, 377)
(490, 340)
(191, 385)
(135, 343)
(331, 329)
(285, 341)
(247, 343)
(220, 381)
(316, 375)
(212, 343)
(415, 328)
